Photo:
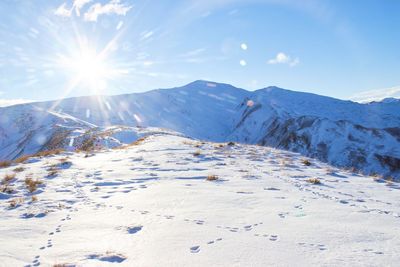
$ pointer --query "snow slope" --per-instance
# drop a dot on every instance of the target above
(343, 133)
(151, 205)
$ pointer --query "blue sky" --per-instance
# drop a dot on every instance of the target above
(59, 48)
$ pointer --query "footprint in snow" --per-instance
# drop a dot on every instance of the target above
(213, 241)
(317, 246)
(134, 229)
(108, 257)
(273, 238)
(195, 249)
(271, 189)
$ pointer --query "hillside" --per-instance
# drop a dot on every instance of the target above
(364, 137)
(150, 204)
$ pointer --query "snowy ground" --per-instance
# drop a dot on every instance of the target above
(151, 205)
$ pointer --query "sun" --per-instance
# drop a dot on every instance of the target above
(87, 69)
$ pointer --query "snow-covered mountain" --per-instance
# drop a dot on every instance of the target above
(343, 133)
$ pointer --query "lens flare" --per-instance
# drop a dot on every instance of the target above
(87, 68)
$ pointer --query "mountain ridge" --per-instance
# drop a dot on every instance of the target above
(343, 133)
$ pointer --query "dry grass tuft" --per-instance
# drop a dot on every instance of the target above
(16, 202)
(32, 184)
(6, 188)
(49, 152)
(7, 178)
(34, 199)
(5, 164)
(52, 171)
(212, 177)
(314, 181)
(306, 162)
(197, 153)
(63, 160)
(135, 143)
(22, 159)
(19, 169)
(138, 142)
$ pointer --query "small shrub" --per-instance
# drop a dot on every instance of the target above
(19, 169)
(16, 202)
(306, 162)
(7, 178)
(314, 181)
(197, 153)
(52, 171)
(231, 144)
(5, 164)
(63, 160)
(212, 177)
(6, 189)
(31, 184)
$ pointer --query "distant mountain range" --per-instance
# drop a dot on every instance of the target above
(347, 134)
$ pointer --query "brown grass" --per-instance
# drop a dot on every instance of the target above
(52, 171)
(306, 162)
(19, 169)
(49, 152)
(22, 159)
(138, 142)
(314, 181)
(44, 153)
(135, 143)
(197, 153)
(212, 177)
(7, 178)
(32, 184)
(34, 199)
(5, 164)
(6, 188)
(16, 202)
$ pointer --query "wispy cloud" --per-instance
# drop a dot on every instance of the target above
(113, 7)
(194, 56)
(94, 11)
(63, 11)
(10, 102)
(79, 4)
(376, 95)
(282, 58)
(193, 53)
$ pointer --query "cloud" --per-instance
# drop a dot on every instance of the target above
(376, 95)
(79, 4)
(10, 102)
(113, 7)
(282, 58)
(63, 11)
(193, 53)
(94, 11)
